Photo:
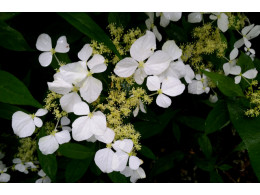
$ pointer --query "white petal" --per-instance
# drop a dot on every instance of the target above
(189, 74)
(60, 86)
(138, 174)
(196, 87)
(43, 42)
(80, 129)
(22, 124)
(153, 83)
(173, 16)
(107, 137)
(62, 137)
(73, 72)
(148, 23)
(4, 177)
(48, 144)
(85, 52)
(92, 139)
(98, 123)
(39, 180)
(157, 63)
(67, 128)
(213, 17)
(127, 172)
(142, 106)
(103, 159)
(64, 121)
(250, 74)
(96, 60)
(41, 112)
(134, 162)
(99, 68)
(46, 180)
(163, 101)
(68, 101)
(126, 145)
(235, 70)
(213, 98)
(126, 67)
(45, 58)
(172, 86)
(233, 54)
(17, 161)
(136, 110)
(164, 21)
(20, 167)
(237, 79)
(247, 43)
(81, 108)
(156, 33)
(223, 22)
(143, 47)
(239, 43)
(37, 121)
(172, 49)
(139, 76)
(62, 46)
(226, 68)
(254, 32)
(41, 173)
(30, 165)
(119, 161)
(246, 29)
(195, 17)
(91, 89)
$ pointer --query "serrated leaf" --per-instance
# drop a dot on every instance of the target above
(89, 27)
(77, 151)
(147, 152)
(12, 39)
(205, 145)
(13, 91)
(217, 118)
(225, 84)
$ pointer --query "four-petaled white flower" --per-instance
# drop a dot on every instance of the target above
(142, 49)
(248, 33)
(22, 167)
(166, 17)
(50, 143)
(230, 67)
(222, 20)
(248, 49)
(140, 106)
(86, 126)
(134, 174)
(249, 74)
(44, 44)
(44, 178)
(150, 25)
(24, 124)
(199, 86)
(4, 177)
(170, 86)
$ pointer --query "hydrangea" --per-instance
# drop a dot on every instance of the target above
(230, 67)
(249, 74)
(166, 17)
(199, 86)
(150, 25)
(44, 178)
(222, 20)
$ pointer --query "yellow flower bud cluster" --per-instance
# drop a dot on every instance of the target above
(208, 40)
(236, 20)
(27, 149)
(52, 105)
(254, 96)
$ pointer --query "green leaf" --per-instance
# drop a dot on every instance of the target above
(205, 145)
(149, 129)
(215, 177)
(224, 167)
(117, 177)
(176, 131)
(8, 15)
(225, 84)
(48, 164)
(12, 39)
(245, 62)
(175, 32)
(206, 164)
(13, 91)
(248, 129)
(147, 152)
(193, 122)
(7, 110)
(77, 151)
(89, 27)
(75, 169)
(217, 118)
(119, 18)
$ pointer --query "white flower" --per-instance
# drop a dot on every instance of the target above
(195, 17)
(4, 177)
(134, 174)
(139, 106)
(20, 166)
(150, 25)
(170, 86)
(64, 122)
(24, 124)
(44, 178)
(248, 33)
(166, 17)
(199, 86)
(142, 49)
(248, 49)
(86, 126)
(172, 50)
(50, 143)
(44, 44)
(213, 98)
(230, 67)
(222, 20)
(250, 74)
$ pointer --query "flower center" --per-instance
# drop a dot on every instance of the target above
(32, 115)
(54, 132)
(89, 74)
(52, 51)
(159, 91)
(141, 64)
(75, 89)
(90, 115)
